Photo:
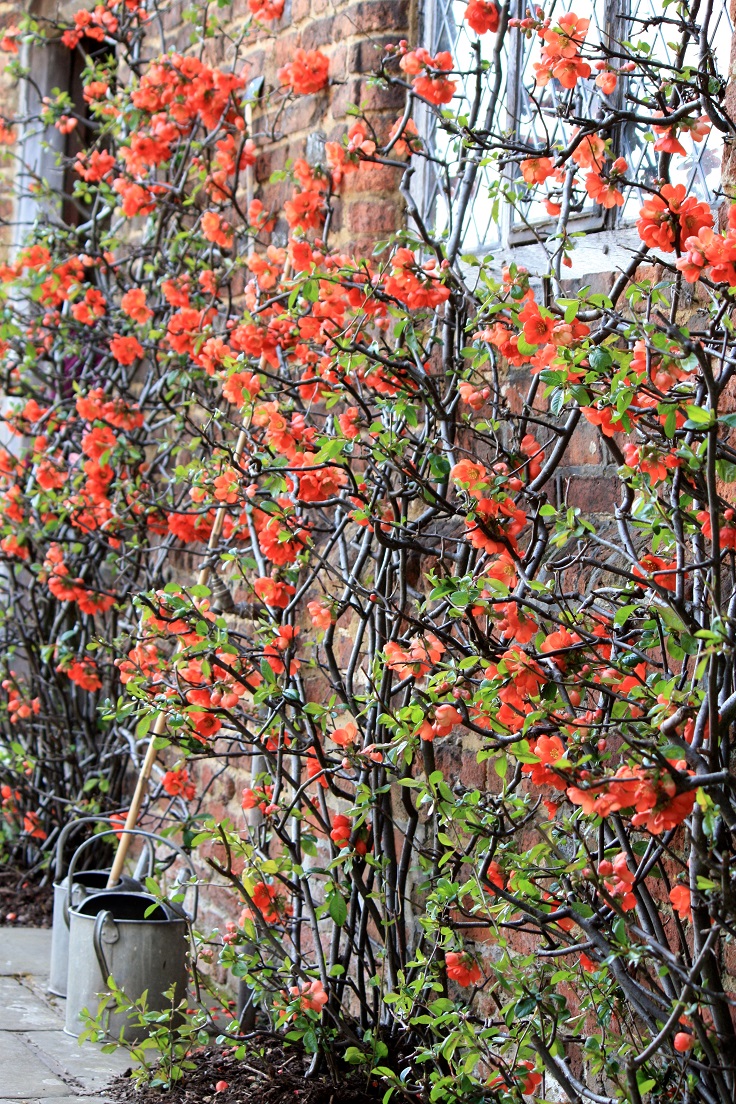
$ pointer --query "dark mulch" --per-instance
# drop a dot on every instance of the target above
(23, 902)
(268, 1074)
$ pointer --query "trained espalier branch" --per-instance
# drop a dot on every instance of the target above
(491, 732)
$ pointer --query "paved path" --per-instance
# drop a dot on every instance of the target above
(38, 1062)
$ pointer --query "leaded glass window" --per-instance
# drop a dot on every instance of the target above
(544, 115)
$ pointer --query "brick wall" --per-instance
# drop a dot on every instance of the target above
(352, 35)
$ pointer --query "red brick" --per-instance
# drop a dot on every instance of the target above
(596, 493)
(283, 48)
(365, 217)
(367, 53)
(585, 445)
(371, 178)
(389, 16)
(318, 33)
(303, 114)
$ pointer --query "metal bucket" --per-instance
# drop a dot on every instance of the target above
(85, 882)
(111, 936)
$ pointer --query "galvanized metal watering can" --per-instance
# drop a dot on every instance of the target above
(85, 882)
(110, 935)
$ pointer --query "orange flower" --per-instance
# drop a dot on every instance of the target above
(312, 996)
(482, 16)
(548, 750)
(66, 124)
(12, 547)
(91, 308)
(654, 797)
(268, 901)
(314, 770)
(341, 830)
(560, 57)
(273, 593)
(607, 81)
(307, 73)
(471, 476)
(95, 167)
(98, 442)
(668, 141)
(266, 9)
(535, 170)
(345, 736)
(133, 303)
(538, 327)
(590, 152)
(462, 968)
(258, 799)
(321, 615)
(176, 784)
(427, 72)
(418, 660)
(603, 192)
(241, 388)
(662, 572)
(215, 229)
(205, 724)
(9, 41)
(681, 900)
(32, 826)
(409, 142)
(656, 225)
(125, 349)
(83, 673)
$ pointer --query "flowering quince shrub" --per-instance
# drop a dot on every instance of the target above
(483, 846)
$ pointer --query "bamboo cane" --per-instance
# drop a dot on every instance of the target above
(160, 725)
(204, 574)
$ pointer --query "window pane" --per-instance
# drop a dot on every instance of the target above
(449, 31)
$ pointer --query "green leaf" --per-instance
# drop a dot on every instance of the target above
(698, 416)
(440, 467)
(338, 909)
(600, 359)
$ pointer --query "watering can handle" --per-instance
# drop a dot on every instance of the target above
(130, 832)
(71, 870)
(100, 921)
(66, 831)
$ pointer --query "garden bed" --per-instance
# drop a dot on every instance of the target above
(268, 1075)
(23, 902)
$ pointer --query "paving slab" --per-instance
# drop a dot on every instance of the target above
(21, 1009)
(39, 1063)
(86, 1064)
(24, 951)
(24, 1077)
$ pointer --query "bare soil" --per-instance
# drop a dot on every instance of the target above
(23, 902)
(269, 1074)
